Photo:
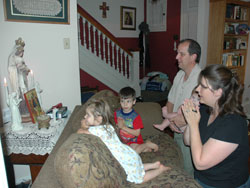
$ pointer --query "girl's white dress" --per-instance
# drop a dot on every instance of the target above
(127, 157)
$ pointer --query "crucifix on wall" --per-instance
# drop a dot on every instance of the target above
(104, 9)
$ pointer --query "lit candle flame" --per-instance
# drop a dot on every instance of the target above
(5, 82)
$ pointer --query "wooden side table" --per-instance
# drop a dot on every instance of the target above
(35, 162)
(31, 146)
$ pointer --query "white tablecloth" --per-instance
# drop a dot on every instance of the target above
(31, 140)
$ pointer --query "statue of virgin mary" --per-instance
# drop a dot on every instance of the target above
(18, 72)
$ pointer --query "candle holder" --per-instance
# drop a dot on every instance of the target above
(43, 121)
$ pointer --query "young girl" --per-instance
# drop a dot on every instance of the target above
(195, 99)
(97, 121)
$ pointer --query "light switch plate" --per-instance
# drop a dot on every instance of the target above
(66, 43)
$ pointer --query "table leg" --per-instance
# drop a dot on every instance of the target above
(34, 171)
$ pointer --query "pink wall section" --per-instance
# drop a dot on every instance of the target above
(162, 55)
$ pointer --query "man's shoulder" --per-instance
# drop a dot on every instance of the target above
(195, 72)
(196, 69)
(179, 74)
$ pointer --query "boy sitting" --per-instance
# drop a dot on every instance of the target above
(130, 123)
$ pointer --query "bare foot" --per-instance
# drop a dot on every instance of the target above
(151, 166)
(157, 164)
(147, 150)
(159, 126)
(152, 145)
(163, 168)
(163, 125)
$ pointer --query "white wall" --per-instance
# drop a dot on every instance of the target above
(56, 69)
(112, 23)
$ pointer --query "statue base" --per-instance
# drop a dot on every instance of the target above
(26, 118)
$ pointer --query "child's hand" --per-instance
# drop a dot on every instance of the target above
(84, 124)
(120, 122)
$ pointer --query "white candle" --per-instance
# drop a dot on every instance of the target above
(6, 88)
(32, 81)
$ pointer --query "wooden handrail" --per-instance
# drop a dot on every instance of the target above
(94, 22)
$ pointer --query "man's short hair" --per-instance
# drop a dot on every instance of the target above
(127, 92)
(194, 48)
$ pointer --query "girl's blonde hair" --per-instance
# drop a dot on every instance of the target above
(100, 107)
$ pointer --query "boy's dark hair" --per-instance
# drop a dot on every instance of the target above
(127, 92)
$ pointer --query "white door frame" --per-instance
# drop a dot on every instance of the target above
(202, 26)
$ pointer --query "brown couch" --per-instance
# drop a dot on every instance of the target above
(80, 160)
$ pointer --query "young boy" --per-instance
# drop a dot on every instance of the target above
(130, 123)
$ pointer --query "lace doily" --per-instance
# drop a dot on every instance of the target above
(38, 7)
(31, 140)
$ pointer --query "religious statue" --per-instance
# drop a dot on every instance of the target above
(18, 70)
(13, 102)
(18, 73)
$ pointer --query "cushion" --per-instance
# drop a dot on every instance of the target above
(169, 155)
(85, 161)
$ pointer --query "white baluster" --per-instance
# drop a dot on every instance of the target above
(78, 18)
(120, 59)
(112, 54)
(122, 62)
(104, 48)
(125, 64)
(99, 43)
(89, 36)
(84, 32)
(94, 39)
(129, 66)
(116, 57)
(108, 51)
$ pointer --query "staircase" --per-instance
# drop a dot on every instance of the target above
(104, 58)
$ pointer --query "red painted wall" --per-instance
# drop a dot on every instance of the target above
(162, 55)
(90, 81)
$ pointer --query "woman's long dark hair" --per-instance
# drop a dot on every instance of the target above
(219, 76)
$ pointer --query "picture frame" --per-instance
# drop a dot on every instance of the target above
(33, 105)
(17, 11)
(128, 18)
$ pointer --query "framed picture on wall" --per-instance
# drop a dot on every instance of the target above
(39, 11)
(33, 105)
(128, 18)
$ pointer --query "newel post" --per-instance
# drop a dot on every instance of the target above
(135, 73)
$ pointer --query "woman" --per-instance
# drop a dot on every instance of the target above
(217, 130)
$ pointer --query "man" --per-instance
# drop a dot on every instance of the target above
(188, 57)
